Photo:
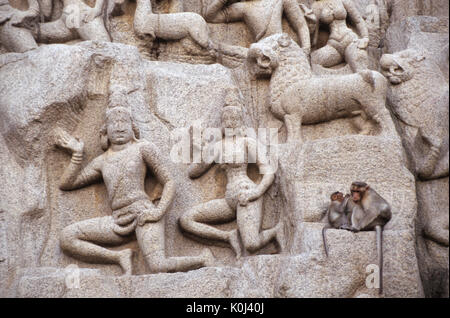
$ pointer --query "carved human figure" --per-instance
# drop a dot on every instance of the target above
(343, 44)
(243, 198)
(14, 33)
(262, 17)
(78, 20)
(123, 168)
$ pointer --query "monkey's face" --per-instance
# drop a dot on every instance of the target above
(356, 195)
(358, 192)
(337, 196)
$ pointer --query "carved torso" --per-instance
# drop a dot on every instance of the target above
(124, 175)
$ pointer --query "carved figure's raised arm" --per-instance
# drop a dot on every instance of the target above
(297, 20)
(357, 19)
(74, 177)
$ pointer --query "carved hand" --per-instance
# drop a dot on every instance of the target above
(247, 196)
(66, 141)
(149, 215)
(363, 43)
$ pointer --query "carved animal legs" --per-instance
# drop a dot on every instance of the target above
(151, 240)
(293, 124)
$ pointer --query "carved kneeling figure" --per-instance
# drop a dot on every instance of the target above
(123, 168)
(243, 198)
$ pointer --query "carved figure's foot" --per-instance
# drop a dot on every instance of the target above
(125, 261)
(280, 237)
(234, 242)
(208, 256)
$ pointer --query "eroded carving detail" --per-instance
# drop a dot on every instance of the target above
(343, 44)
(243, 198)
(123, 168)
(298, 97)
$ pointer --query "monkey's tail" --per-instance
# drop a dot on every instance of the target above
(325, 239)
(379, 230)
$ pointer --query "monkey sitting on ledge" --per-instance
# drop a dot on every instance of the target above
(369, 211)
(337, 215)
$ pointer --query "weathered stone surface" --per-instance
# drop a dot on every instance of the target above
(169, 81)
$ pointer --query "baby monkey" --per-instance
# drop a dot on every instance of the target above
(369, 211)
(338, 216)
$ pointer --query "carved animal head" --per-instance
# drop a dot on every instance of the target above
(265, 56)
(400, 67)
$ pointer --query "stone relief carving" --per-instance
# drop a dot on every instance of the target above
(15, 35)
(170, 26)
(77, 21)
(262, 17)
(422, 110)
(322, 99)
(343, 43)
(123, 168)
(304, 82)
(243, 200)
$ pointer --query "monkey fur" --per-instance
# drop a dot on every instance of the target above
(369, 211)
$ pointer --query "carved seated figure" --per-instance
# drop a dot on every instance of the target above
(123, 168)
(243, 198)
(343, 44)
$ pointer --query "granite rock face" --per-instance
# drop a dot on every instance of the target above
(249, 233)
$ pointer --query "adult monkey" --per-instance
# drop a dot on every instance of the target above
(370, 211)
(262, 17)
(123, 167)
(337, 216)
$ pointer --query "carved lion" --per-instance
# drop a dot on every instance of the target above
(419, 98)
(299, 97)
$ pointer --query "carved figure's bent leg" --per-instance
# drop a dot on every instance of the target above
(293, 124)
(326, 56)
(249, 220)
(215, 211)
(151, 240)
(16, 39)
(80, 241)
